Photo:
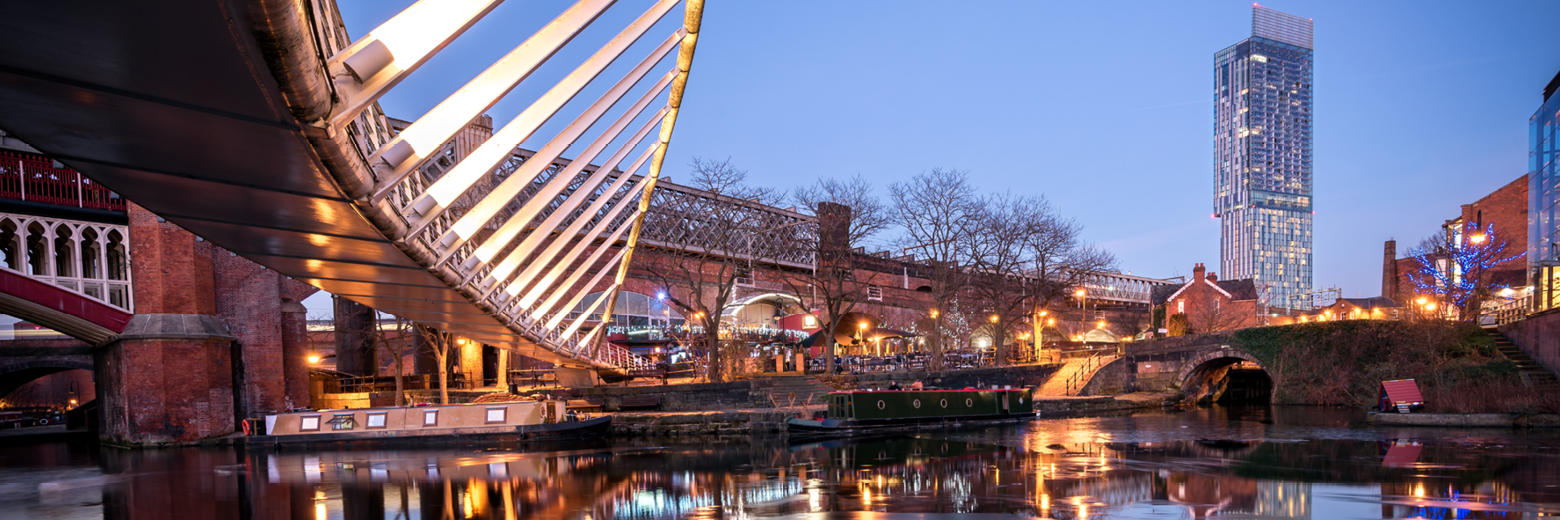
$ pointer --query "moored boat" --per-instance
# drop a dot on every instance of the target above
(877, 411)
(511, 421)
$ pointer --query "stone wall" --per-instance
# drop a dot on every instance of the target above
(1538, 337)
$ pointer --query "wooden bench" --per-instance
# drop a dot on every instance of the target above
(640, 402)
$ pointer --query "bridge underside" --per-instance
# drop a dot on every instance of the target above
(173, 105)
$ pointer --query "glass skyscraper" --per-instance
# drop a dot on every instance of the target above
(1262, 157)
(1543, 211)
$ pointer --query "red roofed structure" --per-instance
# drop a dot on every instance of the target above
(1401, 393)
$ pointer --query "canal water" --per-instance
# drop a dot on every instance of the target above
(1254, 462)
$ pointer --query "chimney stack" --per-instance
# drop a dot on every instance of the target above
(1389, 274)
(1212, 276)
(1198, 272)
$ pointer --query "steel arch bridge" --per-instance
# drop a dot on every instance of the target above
(254, 124)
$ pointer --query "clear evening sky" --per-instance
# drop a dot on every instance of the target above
(1103, 107)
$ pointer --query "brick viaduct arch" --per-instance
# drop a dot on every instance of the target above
(14, 374)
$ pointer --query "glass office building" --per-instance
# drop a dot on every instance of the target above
(1262, 157)
(1543, 181)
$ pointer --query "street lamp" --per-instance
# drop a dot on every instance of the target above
(1477, 239)
(314, 359)
(994, 318)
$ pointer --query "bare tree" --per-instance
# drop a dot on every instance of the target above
(937, 210)
(438, 343)
(998, 262)
(395, 343)
(1059, 263)
(849, 215)
(710, 241)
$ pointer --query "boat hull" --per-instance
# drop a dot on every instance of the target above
(567, 430)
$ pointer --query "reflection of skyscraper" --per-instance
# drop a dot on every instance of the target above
(1262, 155)
(1278, 499)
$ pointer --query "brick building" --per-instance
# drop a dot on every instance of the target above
(1505, 210)
(1207, 304)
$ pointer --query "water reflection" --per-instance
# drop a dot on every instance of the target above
(1211, 463)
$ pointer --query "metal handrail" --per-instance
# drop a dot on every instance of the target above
(1075, 380)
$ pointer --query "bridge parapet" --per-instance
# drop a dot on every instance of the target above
(87, 258)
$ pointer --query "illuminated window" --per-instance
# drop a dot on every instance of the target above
(430, 418)
(309, 423)
(376, 420)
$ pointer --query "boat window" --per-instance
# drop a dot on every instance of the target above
(881, 404)
(497, 414)
(969, 403)
(309, 423)
(430, 417)
(342, 422)
(916, 403)
(376, 419)
(944, 403)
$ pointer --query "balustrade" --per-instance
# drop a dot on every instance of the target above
(90, 258)
(35, 178)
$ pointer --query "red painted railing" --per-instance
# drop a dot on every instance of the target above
(33, 178)
(62, 300)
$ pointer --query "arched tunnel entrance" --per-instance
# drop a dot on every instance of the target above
(1227, 378)
(52, 385)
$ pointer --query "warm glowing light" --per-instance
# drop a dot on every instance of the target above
(314, 358)
(320, 513)
(1100, 324)
(1429, 306)
(1477, 239)
(1051, 321)
(1419, 490)
(460, 341)
(934, 313)
(423, 26)
(1043, 313)
(1079, 294)
(994, 318)
(1421, 301)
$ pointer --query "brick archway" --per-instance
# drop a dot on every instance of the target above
(1213, 360)
(14, 375)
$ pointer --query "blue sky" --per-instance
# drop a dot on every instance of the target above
(1103, 107)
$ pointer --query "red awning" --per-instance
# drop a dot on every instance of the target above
(1402, 391)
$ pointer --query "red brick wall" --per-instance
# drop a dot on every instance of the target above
(162, 390)
(171, 269)
(1507, 210)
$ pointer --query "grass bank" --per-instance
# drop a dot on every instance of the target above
(1343, 362)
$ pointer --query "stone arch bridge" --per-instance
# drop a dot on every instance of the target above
(1194, 365)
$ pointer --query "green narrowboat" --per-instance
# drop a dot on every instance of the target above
(872, 411)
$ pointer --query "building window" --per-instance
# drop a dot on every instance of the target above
(874, 293)
(1180, 307)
